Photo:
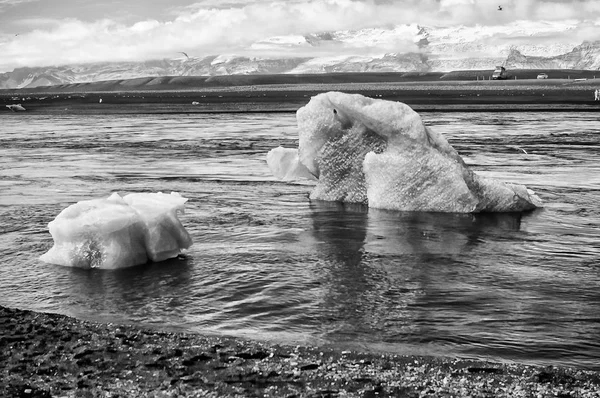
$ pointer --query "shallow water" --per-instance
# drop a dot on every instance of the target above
(269, 264)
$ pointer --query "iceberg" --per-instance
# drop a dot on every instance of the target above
(285, 164)
(380, 153)
(164, 235)
(16, 107)
(118, 232)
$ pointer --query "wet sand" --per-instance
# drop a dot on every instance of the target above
(49, 355)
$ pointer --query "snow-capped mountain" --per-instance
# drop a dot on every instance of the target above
(584, 56)
(405, 48)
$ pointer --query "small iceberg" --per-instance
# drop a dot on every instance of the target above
(118, 232)
(16, 107)
(380, 153)
(285, 164)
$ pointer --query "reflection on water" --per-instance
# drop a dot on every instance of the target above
(382, 266)
(267, 263)
(112, 294)
(440, 283)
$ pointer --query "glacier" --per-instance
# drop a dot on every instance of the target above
(380, 153)
(118, 232)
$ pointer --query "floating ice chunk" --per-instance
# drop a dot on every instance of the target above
(285, 164)
(98, 233)
(118, 232)
(164, 235)
(417, 180)
(16, 107)
(380, 153)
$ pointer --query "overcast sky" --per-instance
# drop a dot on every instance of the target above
(54, 32)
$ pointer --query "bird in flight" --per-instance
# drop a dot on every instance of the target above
(499, 8)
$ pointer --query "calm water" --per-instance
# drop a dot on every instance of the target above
(267, 263)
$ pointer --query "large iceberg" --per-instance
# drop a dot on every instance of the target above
(380, 153)
(118, 232)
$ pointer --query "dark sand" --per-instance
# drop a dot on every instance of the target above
(139, 96)
(44, 355)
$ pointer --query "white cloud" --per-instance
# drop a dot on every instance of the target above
(213, 27)
(13, 3)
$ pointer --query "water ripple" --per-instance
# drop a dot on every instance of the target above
(268, 263)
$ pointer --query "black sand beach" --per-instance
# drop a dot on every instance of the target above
(272, 94)
(48, 355)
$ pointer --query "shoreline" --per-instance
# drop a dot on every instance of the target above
(47, 355)
(460, 96)
(175, 109)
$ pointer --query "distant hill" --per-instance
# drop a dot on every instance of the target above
(199, 82)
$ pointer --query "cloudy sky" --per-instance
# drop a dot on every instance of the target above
(54, 32)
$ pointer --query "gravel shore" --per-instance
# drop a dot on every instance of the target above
(49, 355)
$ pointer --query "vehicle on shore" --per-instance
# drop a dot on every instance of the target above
(499, 73)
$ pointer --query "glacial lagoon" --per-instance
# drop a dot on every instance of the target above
(268, 263)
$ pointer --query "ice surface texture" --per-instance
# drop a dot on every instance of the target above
(378, 152)
(118, 232)
(285, 164)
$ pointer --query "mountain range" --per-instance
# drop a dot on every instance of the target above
(430, 49)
